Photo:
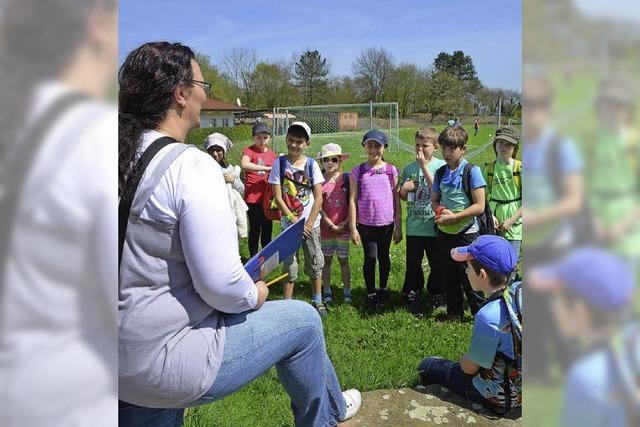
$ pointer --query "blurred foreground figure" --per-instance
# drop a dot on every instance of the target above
(591, 294)
(58, 276)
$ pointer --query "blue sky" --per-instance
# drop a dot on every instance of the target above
(412, 31)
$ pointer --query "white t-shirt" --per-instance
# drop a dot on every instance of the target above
(296, 183)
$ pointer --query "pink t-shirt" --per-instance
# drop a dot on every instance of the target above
(375, 193)
(336, 205)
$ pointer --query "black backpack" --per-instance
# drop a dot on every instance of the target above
(485, 219)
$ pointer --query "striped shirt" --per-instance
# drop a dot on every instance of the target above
(375, 193)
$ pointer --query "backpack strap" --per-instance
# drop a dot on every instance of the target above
(389, 170)
(283, 165)
(491, 167)
(18, 169)
(131, 187)
(346, 185)
(466, 180)
(440, 174)
(309, 169)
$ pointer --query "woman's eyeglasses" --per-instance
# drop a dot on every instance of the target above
(331, 159)
(204, 85)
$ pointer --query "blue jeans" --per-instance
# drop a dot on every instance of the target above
(287, 334)
(516, 246)
(435, 370)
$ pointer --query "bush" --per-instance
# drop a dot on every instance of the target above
(239, 135)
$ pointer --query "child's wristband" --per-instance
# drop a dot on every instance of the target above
(289, 216)
(439, 211)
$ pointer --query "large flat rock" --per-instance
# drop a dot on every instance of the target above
(431, 405)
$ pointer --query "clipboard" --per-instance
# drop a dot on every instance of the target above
(283, 246)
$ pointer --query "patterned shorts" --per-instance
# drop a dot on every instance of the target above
(338, 244)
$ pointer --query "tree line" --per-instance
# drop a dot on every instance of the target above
(450, 86)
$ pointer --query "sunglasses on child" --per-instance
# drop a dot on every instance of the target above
(331, 159)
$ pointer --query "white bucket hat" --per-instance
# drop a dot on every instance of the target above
(331, 150)
(218, 139)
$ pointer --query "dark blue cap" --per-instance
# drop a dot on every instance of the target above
(602, 279)
(493, 252)
(375, 135)
(259, 128)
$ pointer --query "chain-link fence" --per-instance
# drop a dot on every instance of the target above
(341, 121)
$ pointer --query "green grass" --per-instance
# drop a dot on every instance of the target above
(369, 352)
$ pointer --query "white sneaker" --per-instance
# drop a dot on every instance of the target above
(354, 400)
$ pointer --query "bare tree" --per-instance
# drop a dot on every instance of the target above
(372, 70)
(239, 64)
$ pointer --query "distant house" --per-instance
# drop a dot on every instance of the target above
(216, 113)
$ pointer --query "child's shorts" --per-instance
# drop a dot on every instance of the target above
(338, 244)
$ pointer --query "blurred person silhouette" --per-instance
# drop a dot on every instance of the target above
(614, 180)
(193, 327)
(57, 213)
(591, 294)
(554, 218)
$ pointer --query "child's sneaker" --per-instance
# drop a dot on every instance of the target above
(347, 298)
(438, 301)
(327, 297)
(372, 301)
(320, 308)
(353, 399)
(383, 297)
(413, 304)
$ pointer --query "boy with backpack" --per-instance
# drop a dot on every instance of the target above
(416, 182)
(504, 186)
(593, 300)
(491, 371)
(297, 188)
(458, 201)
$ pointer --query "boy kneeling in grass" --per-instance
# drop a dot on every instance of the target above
(491, 371)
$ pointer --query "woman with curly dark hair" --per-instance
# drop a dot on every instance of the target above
(193, 327)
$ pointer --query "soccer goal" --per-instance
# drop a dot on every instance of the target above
(343, 124)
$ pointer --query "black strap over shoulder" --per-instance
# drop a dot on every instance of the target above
(131, 186)
(18, 168)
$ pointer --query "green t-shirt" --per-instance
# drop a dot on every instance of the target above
(612, 191)
(504, 188)
(420, 216)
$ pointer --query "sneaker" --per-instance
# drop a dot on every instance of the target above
(327, 297)
(383, 297)
(438, 301)
(372, 301)
(413, 304)
(347, 299)
(353, 399)
(320, 308)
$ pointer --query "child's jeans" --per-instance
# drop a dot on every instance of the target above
(435, 370)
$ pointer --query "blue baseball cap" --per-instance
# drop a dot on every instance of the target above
(493, 252)
(260, 128)
(377, 136)
(602, 279)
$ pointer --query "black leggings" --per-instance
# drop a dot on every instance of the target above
(375, 243)
(260, 228)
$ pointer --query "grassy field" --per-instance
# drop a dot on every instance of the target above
(369, 352)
